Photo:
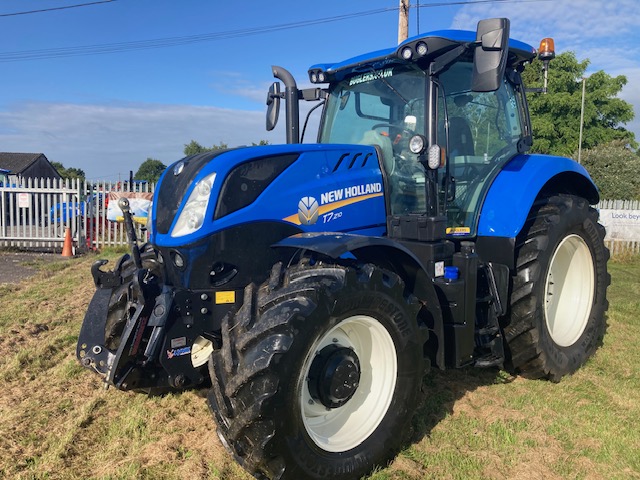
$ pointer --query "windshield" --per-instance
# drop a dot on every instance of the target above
(479, 131)
(383, 108)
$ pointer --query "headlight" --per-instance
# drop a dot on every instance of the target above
(417, 144)
(192, 216)
(407, 53)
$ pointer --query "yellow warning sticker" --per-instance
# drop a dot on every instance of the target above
(458, 231)
(225, 297)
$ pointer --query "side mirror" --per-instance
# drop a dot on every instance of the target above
(273, 105)
(490, 56)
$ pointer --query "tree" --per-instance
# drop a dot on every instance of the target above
(150, 170)
(555, 116)
(193, 148)
(614, 169)
(69, 173)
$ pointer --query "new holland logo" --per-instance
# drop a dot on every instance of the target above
(308, 211)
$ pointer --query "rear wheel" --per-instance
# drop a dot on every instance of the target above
(319, 372)
(559, 300)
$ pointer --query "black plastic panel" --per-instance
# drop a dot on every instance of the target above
(248, 180)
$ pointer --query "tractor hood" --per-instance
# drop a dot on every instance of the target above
(310, 187)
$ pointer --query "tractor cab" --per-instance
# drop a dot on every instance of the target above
(448, 102)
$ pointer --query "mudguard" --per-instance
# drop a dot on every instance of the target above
(372, 249)
(516, 187)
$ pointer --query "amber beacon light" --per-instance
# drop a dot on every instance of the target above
(547, 50)
(546, 53)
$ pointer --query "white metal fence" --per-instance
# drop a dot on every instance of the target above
(35, 213)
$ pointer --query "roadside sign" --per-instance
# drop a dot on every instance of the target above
(621, 224)
(24, 200)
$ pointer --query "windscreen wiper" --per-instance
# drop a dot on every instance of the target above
(384, 80)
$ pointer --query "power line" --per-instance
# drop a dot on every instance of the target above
(170, 41)
(106, 48)
(467, 2)
(56, 8)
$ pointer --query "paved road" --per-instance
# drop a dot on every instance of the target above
(14, 265)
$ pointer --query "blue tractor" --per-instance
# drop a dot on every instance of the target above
(310, 287)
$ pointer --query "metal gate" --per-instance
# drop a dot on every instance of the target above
(35, 213)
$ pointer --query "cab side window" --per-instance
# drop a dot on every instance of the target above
(480, 131)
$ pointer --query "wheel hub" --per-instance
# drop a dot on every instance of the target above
(334, 376)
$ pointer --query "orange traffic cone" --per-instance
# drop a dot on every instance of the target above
(67, 249)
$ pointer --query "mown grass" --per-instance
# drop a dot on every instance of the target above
(57, 422)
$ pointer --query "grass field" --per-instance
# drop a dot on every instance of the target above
(57, 422)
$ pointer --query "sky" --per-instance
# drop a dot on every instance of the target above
(108, 84)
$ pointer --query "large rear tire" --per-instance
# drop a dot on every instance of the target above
(319, 372)
(558, 301)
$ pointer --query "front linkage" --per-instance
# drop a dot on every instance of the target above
(123, 334)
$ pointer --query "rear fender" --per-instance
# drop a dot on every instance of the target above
(520, 182)
(385, 253)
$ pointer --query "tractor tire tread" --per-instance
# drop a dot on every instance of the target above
(244, 372)
(526, 356)
(244, 383)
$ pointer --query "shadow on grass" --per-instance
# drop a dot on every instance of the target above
(442, 389)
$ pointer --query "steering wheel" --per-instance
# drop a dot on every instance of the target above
(504, 150)
(404, 130)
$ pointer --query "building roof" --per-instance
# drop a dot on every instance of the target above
(17, 163)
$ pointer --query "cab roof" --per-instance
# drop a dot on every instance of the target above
(437, 42)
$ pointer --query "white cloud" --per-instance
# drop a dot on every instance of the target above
(572, 23)
(251, 92)
(107, 140)
(230, 83)
(604, 32)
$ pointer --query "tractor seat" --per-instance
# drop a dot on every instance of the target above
(460, 139)
(371, 137)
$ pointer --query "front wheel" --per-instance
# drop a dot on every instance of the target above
(558, 302)
(319, 372)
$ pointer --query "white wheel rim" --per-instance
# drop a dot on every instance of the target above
(569, 290)
(343, 428)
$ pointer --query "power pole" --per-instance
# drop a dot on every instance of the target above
(584, 83)
(403, 21)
